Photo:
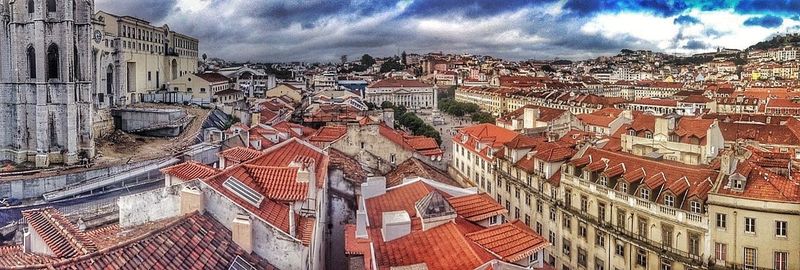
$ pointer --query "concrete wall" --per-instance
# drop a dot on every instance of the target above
(28, 187)
(378, 150)
(149, 206)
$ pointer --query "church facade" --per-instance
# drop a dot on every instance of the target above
(46, 81)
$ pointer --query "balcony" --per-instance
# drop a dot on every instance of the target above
(697, 220)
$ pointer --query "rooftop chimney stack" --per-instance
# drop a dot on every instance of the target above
(242, 230)
(395, 225)
(192, 200)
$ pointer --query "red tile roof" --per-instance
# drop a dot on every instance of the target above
(213, 77)
(352, 168)
(696, 99)
(305, 229)
(329, 134)
(285, 153)
(58, 233)
(277, 183)
(414, 167)
(763, 183)
(195, 241)
(511, 242)
(786, 134)
(190, 170)
(694, 180)
(476, 207)
(693, 127)
(239, 154)
(423, 145)
(555, 154)
(545, 114)
(656, 102)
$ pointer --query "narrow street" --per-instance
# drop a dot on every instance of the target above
(341, 211)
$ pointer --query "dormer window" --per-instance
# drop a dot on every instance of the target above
(644, 194)
(669, 200)
(696, 207)
(674, 138)
(623, 187)
(632, 132)
(648, 135)
(603, 181)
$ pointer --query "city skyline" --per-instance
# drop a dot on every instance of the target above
(322, 31)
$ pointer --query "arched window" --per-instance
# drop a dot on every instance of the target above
(31, 6)
(76, 65)
(52, 62)
(51, 5)
(31, 62)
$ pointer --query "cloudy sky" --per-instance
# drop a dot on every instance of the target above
(323, 30)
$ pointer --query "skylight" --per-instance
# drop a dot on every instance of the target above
(239, 263)
(243, 191)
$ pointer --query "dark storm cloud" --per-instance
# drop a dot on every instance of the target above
(686, 19)
(660, 7)
(768, 21)
(782, 7)
(152, 10)
(469, 8)
(322, 30)
(695, 45)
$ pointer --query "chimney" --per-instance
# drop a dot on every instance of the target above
(374, 187)
(361, 219)
(242, 230)
(395, 225)
(529, 117)
(192, 200)
(26, 240)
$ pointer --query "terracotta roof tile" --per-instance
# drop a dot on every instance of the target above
(476, 207)
(190, 170)
(239, 154)
(305, 229)
(414, 167)
(511, 241)
(328, 134)
(61, 236)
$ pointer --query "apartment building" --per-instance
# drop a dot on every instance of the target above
(537, 119)
(754, 212)
(685, 139)
(136, 58)
(606, 210)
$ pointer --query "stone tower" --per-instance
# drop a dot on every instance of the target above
(45, 81)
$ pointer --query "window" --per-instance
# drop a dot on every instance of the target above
(694, 243)
(516, 213)
(552, 238)
(51, 5)
(648, 135)
(780, 228)
(632, 132)
(644, 193)
(669, 200)
(567, 222)
(780, 260)
(584, 204)
(392, 159)
(31, 6)
(623, 187)
(539, 207)
(582, 230)
(52, 62)
(643, 227)
(493, 220)
(552, 214)
(599, 264)
(568, 198)
(749, 258)
(566, 246)
(31, 62)
(620, 218)
(722, 221)
(720, 252)
(696, 207)
(749, 225)
(641, 257)
(601, 211)
(600, 238)
(619, 249)
(666, 235)
(527, 198)
(581, 257)
(666, 264)
(539, 228)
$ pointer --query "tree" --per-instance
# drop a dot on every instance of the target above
(370, 105)
(483, 118)
(367, 60)
(343, 58)
(204, 57)
(403, 58)
(387, 104)
(391, 65)
(399, 111)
